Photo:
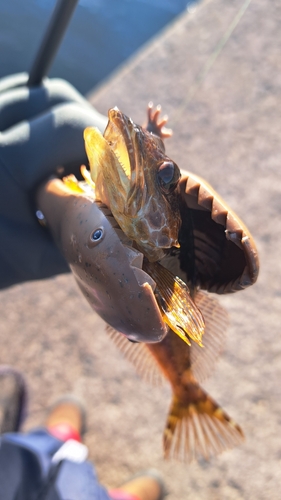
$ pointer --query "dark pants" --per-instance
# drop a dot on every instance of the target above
(27, 471)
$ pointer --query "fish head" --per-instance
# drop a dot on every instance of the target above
(107, 269)
(138, 181)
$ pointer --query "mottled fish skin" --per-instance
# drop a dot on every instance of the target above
(196, 425)
(137, 180)
(133, 176)
(107, 172)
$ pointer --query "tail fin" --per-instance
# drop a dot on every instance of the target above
(199, 427)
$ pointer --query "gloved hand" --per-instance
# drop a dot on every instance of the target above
(41, 129)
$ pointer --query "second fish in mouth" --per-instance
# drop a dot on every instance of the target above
(136, 179)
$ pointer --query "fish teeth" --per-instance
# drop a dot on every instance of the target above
(135, 257)
(136, 260)
(143, 277)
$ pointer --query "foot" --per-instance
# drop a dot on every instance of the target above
(66, 419)
(147, 485)
(13, 399)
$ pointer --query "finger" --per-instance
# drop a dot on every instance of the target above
(155, 114)
(12, 81)
(33, 150)
(163, 121)
(166, 133)
(23, 103)
(149, 110)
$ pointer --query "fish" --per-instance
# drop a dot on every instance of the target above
(132, 175)
(196, 426)
(135, 178)
(217, 252)
(106, 268)
(203, 246)
(174, 300)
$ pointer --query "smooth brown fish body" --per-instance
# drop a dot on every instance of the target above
(196, 425)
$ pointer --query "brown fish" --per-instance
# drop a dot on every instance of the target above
(137, 180)
(196, 425)
(106, 268)
(174, 300)
(216, 250)
(133, 176)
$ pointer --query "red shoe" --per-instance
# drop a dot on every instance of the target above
(66, 419)
(147, 485)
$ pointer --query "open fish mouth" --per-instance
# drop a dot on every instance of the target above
(173, 299)
(175, 303)
(135, 179)
(120, 135)
(135, 257)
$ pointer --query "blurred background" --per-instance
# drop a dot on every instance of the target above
(216, 70)
(102, 34)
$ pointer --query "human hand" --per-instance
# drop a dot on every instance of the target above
(41, 130)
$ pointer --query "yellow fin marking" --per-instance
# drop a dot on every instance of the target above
(177, 307)
(72, 183)
(87, 176)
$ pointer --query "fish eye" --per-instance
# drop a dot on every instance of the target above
(97, 234)
(95, 237)
(168, 175)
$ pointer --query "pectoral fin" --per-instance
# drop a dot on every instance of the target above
(178, 308)
(216, 324)
(139, 356)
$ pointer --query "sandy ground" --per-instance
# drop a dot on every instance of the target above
(222, 90)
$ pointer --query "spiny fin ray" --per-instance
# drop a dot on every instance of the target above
(139, 356)
(216, 324)
(202, 429)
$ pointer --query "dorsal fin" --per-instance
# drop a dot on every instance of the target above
(216, 324)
